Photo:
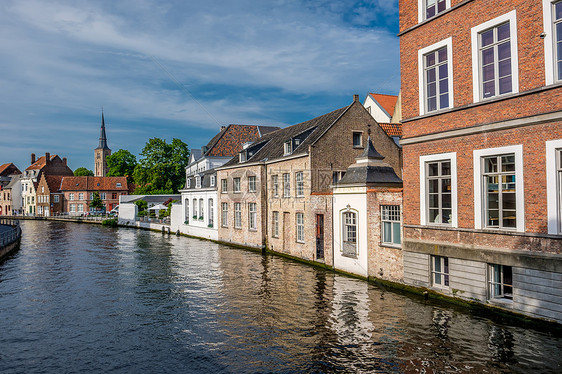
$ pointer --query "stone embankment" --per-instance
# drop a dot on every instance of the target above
(10, 236)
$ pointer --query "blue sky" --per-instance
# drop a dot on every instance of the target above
(181, 68)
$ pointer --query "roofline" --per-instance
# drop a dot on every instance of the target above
(287, 158)
(336, 120)
(254, 163)
(379, 104)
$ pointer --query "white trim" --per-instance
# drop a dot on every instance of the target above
(421, 79)
(549, 62)
(478, 187)
(474, 32)
(552, 199)
(421, 9)
(452, 156)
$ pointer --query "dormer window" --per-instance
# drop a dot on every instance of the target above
(243, 156)
(118, 184)
(288, 149)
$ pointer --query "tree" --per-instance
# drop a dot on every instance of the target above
(96, 203)
(83, 172)
(161, 170)
(121, 164)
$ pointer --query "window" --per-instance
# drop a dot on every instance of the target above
(188, 183)
(42, 189)
(186, 211)
(237, 215)
(275, 183)
(114, 195)
(253, 216)
(337, 176)
(552, 11)
(80, 207)
(554, 186)
(435, 71)
(211, 212)
(118, 184)
(197, 182)
(300, 227)
(81, 196)
(224, 214)
(236, 185)
(103, 195)
(91, 196)
(73, 207)
(213, 181)
(275, 228)
(439, 192)
(299, 181)
(432, 7)
(195, 216)
(438, 189)
(498, 191)
(357, 140)
(500, 282)
(224, 185)
(252, 183)
(349, 247)
(286, 185)
(287, 148)
(390, 217)
(71, 196)
(201, 215)
(440, 271)
(494, 57)
(56, 198)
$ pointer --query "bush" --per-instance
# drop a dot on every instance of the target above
(112, 222)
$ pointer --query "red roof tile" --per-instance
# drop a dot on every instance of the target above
(392, 129)
(53, 182)
(231, 139)
(40, 163)
(94, 184)
(388, 102)
(6, 167)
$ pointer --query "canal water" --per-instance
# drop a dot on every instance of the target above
(86, 298)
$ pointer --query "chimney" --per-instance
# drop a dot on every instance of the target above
(64, 161)
(47, 158)
(223, 127)
(355, 98)
(32, 158)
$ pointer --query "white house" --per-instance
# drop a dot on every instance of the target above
(383, 108)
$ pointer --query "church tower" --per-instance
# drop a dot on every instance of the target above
(101, 152)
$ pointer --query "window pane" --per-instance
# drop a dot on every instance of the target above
(492, 184)
(446, 216)
(443, 71)
(558, 11)
(493, 201)
(396, 233)
(487, 56)
(442, 53)
(487, 37)
(493, 217)
(446, 185)
(443, 85)
(444, 101)
(508, 162)
(434, 216)
(441, 5)
(504, 68)
(491, 164)
(431, 75)
(509, 219)
(387, 232)
(434, 201)
(504, 51)
(489, 89)
(430, 11)
(432, 104)
(433, 186)
(430, 59)
(488, 73)
(503, 31)
(446, 200)
(505, 85)
(433, 169)
(560, 70)
(446, 168)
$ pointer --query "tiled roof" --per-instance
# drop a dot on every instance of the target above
(53, 182)
(388, 102)
(392, 129)
(6, 167)
(40, 163)
(271, 145)
(93, 184)
(229, 141)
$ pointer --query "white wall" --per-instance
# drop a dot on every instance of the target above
(127, 212)
(377, 112)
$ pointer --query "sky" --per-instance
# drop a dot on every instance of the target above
(181, 69)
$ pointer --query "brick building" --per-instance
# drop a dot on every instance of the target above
(79, 191)
(50, 199)
(101, 153)
(277, 192)
(482, 143)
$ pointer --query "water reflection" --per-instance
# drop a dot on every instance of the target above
(89, 298)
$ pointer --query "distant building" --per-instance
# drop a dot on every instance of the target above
(50, 199)
(101, 153)
(79, 192)
(387, 111)
(7, 173)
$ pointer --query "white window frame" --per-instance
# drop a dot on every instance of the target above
(360, 137)
(70, 197)
(344, 232)
(198, 182)
(211, 219)
(237, 215)
(287, 185)
(421, 10)
(275, 220)
(549, 51)
(224, 214)
(195, 216)
(252, 183)
(201, 210)
(224, 185)
(188, 183)
(81, 196)
(213, 181)
(554, 200)
(56, 198)
(387, 213)
(510, 17)
(448, 43)
(445, 275)
(479, 205)
(299, 184)
(287, 148)
(252, 216)
(491, 295)
(299, 220)
(236, 185)
(452, 157)
(275, 182)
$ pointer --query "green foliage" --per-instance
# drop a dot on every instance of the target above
(142, 213)
(96, 202)
(83, 172)
(141, 204)
(122, 163)
(112, 222)
(161, 170)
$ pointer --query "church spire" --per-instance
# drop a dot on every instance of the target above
(103, 137)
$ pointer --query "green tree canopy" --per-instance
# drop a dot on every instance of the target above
(96, 202)
(161, 170)
(83, 172)
(121, 163)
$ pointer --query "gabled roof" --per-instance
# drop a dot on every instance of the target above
(53, 182)
(93, 184)
(387, 102)
(392, 129)
(5, 169)
(40, 163)
(271, 145)
(229, 141)
(195, 154)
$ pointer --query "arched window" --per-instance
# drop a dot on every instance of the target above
(195, 209)
(201, 209)
(186, 211)
(210, 210)
(349, 242)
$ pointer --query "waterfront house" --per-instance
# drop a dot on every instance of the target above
(277, 192)
(8, 172)
(50, 199)
(79, 191)
(198, 214)
(482, 142)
